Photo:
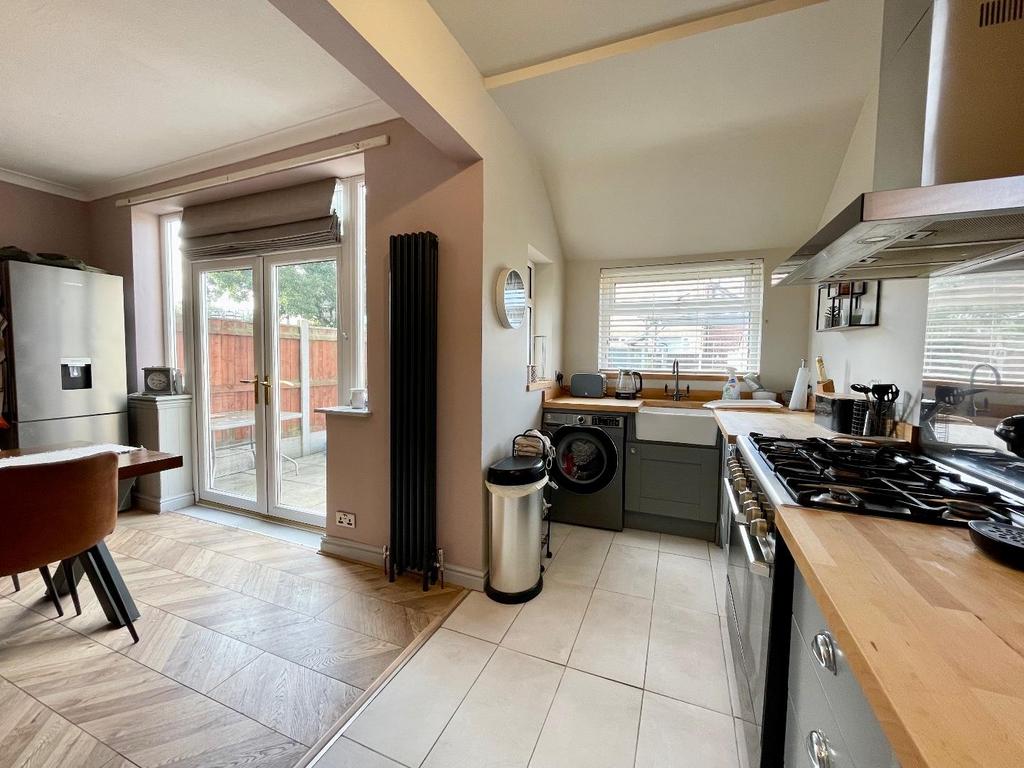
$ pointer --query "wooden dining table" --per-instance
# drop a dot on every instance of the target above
(131, 464)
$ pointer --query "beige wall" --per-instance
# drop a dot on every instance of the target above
(406, 55)
(894, 350)
(785, 318)
(412, 187)
(38, 221)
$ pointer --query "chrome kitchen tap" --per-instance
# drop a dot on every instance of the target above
(974, 372)
(676, 394)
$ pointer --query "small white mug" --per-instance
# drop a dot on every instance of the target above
(359, 398)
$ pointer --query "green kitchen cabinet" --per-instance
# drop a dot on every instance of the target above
(675, 482)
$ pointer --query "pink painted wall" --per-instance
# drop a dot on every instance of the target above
(412, 187)
(38, 221)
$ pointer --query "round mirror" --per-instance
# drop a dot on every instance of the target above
(510, 298)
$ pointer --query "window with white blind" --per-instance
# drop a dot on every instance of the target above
(975, 319)
(706, 315)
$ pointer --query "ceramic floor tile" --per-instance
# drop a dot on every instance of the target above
(293, 700)
(345, 753)
(612, 641)
(547, 625)
(482, 617)
(681, 545)
(718, 576)
(670, 729)
(498, 723)
(407, 716)
(686, 659)
(686, 582)
(631, 537)
(580, 558)
(592, 723)
(630, 571)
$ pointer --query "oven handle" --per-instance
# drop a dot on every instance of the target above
(734, 502)
(757, 565)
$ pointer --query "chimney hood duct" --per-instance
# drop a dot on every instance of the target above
(970, 215)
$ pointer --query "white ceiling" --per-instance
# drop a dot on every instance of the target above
(105, 96)
(726, 141)
(500, 37)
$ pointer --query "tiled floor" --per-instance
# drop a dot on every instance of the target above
(251, 649)
(619, 663)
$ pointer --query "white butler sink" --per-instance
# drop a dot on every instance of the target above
(693, 426)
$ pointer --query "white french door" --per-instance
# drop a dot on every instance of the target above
(267, 352)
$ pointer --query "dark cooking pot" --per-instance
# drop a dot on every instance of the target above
(1011, 431)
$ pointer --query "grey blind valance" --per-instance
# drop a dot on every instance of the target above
(303, 216)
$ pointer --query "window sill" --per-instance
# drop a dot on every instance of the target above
(534, 386)
(683, 375)
(343, 410)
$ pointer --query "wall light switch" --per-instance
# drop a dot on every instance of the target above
(346, 519)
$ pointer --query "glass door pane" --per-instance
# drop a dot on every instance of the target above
(230, 357)
(303, 355)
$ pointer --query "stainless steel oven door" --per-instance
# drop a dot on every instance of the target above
(748, 599)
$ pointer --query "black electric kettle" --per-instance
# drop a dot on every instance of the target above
(1011, 431)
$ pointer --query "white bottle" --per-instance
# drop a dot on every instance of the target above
(798, 402)
(731, 390)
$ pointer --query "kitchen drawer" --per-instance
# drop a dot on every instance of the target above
(857, 722)
(672, 480)
(810, 711)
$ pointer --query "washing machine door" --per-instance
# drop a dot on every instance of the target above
(585, 459)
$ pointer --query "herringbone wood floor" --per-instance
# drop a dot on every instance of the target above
(251, 649)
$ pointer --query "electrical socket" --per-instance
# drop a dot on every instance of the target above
(346, 519)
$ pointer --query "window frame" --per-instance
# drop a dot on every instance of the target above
(757, 263)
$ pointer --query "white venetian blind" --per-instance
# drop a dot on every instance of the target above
(975, 319)
(706, 315)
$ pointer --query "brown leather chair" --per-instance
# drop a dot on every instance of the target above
(59, 512)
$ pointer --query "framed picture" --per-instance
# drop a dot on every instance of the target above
(848, 304)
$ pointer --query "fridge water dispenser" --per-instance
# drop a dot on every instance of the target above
(76, 373)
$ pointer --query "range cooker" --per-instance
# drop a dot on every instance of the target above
(848, 475)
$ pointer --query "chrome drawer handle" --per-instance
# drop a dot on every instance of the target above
(824, 649)
(818, 751)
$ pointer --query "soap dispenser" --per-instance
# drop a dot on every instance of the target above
(731, 390)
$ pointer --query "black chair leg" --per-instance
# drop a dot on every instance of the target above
(115, 595)
(51, 590)
(17, 582)
(68, 566)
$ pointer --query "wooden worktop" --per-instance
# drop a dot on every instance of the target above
(776, 423)
(931, 626)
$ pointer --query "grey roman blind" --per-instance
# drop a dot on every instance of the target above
(975, 319)
(302, 216)
(706, 315)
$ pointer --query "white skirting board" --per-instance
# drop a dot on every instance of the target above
(171, 504)
(372, 555)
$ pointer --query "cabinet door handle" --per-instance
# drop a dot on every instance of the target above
(632, 451)
(818, 750)
(824, 649)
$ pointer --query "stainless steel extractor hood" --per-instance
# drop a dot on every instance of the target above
(972, 130)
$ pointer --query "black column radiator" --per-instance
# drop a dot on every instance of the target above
(414, 407)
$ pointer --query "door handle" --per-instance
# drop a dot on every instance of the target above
(266, 388)
(255, 388)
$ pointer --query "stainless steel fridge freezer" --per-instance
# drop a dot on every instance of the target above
(64, 372)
